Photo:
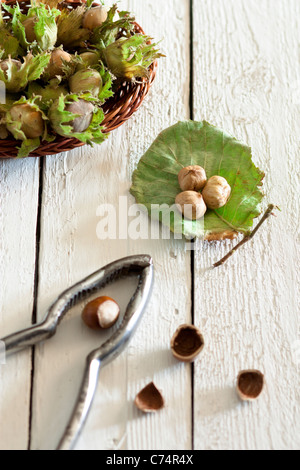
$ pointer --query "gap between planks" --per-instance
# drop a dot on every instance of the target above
(36, 289)
(191, 103)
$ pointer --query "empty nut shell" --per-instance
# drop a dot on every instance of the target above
(192, 178)
(149, 400)
(187, 343)
(101, 313)
(250, 384)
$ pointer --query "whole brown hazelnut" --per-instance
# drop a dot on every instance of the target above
(95, 17)
(191, 205)
(101, 313)
(216, 192)
(192, 178)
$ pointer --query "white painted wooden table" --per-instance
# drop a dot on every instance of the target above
(245, 78)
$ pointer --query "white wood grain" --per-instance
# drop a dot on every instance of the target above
(246, 62)
(74, 186)
(19, 182)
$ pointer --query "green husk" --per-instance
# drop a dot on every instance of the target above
(86, 81)
(70, 33)
(87, 59)
(15, 128)
(9, 45)
(59, 65)
(46, 95)
(45, 28)
(109, 31)
(16, 78)
(61, 120)
(92, 92)
(130, 58)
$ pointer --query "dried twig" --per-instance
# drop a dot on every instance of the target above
(248, 236)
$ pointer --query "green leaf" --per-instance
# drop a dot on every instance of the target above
(155, 181)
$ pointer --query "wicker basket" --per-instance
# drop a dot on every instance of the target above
(118, 109)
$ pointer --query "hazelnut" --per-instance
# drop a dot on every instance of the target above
(29, 25)
(191, 205)
(101, 313)
(250, 384)
(149, 400)
(95, 17)
(192, 178)
(216, 192)
(187, 343)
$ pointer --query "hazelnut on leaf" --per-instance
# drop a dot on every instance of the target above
(216, 192)
(191, 205)
(192, 178)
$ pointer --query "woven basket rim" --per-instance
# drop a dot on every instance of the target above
(116, 111)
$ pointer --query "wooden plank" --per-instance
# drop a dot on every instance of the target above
(75, 186)
(246, 81)
(19, 183)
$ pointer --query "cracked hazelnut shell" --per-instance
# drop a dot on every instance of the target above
(187, 343)
(250, 384)
(149, 399)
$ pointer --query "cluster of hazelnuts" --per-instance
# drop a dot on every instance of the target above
(200, 194)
